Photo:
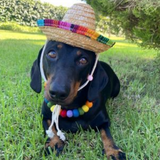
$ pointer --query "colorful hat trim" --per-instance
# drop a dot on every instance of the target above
(76, 29)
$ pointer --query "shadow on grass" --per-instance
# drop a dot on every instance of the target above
(138, 74)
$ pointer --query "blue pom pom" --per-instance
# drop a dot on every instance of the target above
(75, 113)
(46, 100)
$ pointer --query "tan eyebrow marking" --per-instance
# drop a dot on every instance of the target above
(59, 46)
(79, 53)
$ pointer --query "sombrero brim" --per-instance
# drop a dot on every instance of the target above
(74, 35)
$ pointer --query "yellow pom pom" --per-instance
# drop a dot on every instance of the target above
(52, 108)
(85, 108)
(89, 104)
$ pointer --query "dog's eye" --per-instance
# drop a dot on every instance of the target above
(83, 61)
(52, 54)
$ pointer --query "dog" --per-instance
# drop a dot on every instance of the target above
(66, 68)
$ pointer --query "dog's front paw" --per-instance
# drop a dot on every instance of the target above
(54, 145)
(118, 155)
(115, 154)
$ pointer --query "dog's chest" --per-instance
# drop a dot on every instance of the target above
(85, 122)
(92, 119)
(72, 125)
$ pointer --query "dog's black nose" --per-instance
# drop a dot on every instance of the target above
(58, 92)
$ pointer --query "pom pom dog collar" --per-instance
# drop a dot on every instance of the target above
(71, 113)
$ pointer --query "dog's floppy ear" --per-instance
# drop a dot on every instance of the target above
(100, 80)
(36, 83)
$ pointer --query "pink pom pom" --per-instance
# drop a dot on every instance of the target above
(90, 77)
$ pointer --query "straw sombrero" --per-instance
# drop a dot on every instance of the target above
(77, 28)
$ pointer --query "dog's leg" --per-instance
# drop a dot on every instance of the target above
(111, 150)
(53, 143)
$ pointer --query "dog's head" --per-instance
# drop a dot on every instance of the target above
(66, 69)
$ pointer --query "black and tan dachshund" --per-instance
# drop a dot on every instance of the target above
(66, 68)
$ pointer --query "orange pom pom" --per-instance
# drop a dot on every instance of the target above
(89, 104)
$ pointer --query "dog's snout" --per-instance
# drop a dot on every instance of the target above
(58, 92)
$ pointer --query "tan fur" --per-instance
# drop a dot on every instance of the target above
(76, 87)
(79, 53)
(55, 140)
(59, 46)
(73, 93)
(109, 146)
(47, 87)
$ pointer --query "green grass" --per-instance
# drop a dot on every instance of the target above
(135, 113)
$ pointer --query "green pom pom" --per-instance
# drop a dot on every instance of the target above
(49, 104)
(81, 112)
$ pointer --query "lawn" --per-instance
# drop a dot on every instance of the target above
(135, 113)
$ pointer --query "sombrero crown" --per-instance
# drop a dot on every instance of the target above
(77, 28)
